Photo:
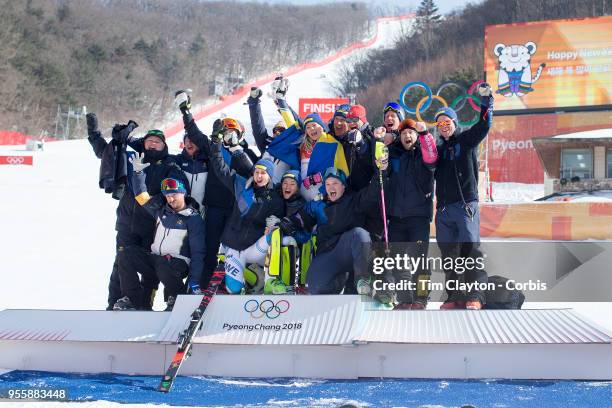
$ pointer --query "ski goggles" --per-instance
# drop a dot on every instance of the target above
(392, 106)
(312, 180)
(170, 186)
(335, 173)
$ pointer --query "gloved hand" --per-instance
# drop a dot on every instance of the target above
(137, 162)
(231, 138)
(182, 100)
(381, 155)
(484, 89)
(420, 127)
(217, 132)
(312, 180)
(287, 226)
(354, 137)
(121, 132)
(280, 86)
(379, 133)
(194, 288)
(272, 221)
(255, 92)
(92, 125)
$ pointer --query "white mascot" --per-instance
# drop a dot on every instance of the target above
(515, 68)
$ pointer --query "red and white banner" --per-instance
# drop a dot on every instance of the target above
(325, 107)
(17, 160)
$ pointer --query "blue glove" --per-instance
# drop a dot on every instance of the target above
(194, 288)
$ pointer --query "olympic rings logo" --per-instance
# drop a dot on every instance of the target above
(15, 160)
(266, 308)
(464, 98)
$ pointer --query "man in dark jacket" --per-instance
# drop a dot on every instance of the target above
(458, 217)
(343, 246)
(409, 205)
(177, 251)
(134, 225)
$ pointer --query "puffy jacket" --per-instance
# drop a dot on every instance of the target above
(178, 234)
(196, 172)
(410, 183)
(457, 170)
(252, 205)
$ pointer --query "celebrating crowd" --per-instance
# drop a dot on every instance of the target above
(302, 212)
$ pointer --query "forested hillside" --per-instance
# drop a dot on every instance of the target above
(123, 58)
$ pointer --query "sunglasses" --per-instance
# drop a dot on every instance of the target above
(442, 123)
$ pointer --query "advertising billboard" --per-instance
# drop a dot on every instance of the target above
(550, 65)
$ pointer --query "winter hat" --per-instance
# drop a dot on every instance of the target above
(157, 133)
(407, 124)
(172, 186)
(292, 174)
(280, 125)
(266, 165)
(450, 112)
(358, 112)
(314, 117)
(342, 111)
(335, 173)
(395, 107)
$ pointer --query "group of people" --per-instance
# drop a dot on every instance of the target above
(301, 212)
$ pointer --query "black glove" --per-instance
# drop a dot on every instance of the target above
(287, 226)
(217, 131)
(121, 132)
(92, 125)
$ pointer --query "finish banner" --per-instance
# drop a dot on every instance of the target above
(546, 65)
(325, 107)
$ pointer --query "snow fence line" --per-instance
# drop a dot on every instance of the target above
(241, 92)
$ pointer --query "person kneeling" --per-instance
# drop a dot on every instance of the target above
(177, 251)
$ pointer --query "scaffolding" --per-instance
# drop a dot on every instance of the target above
(70, 124)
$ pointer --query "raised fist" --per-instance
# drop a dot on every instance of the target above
(484, 89)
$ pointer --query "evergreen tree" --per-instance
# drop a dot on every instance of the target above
(427, 19)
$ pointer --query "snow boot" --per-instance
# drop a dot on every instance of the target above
(124, 304)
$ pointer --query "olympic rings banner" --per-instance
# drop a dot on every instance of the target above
(550, 65)
(422, 102)
(16, 160)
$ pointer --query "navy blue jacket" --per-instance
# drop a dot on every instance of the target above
(252, 205)
(334, 218)
(457, 169)
(410, 183)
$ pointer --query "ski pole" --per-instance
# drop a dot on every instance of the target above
(381, 155)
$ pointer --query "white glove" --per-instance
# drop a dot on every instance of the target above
(279, 87)
(255, 93)
(231, 138)
(484, 89)
(182, 100)
(137, 163)
(354, 137)
(272, 221)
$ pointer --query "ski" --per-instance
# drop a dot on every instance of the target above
(185, 339)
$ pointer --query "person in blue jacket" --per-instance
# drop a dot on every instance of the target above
(177, 251)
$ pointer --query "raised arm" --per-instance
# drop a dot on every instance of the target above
(262, 138)
(139, 186)
(476, 134)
